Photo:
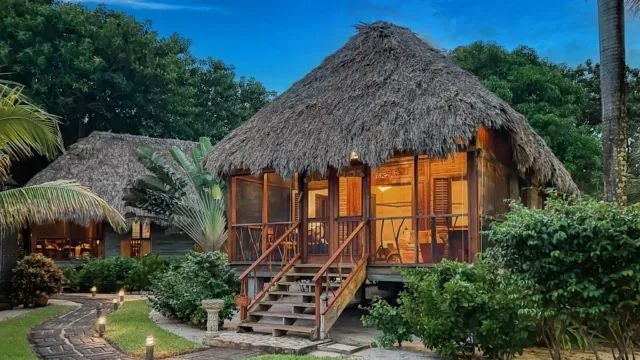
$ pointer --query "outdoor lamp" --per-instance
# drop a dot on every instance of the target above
(94, 289)
(98, 311)
(121, 295)
(102, 323)
(149, 343)
(354, 156)
(115, 304)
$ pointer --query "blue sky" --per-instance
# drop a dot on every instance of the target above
(277, 42)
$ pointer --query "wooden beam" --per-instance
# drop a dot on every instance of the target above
(474, 215)
(334, 208)
(366, 207)
(231, 216)
(265, 211)
(414, 209)
(304, 188)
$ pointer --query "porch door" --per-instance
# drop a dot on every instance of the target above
(318, 213)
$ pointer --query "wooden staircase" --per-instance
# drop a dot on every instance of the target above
(288, 306)
(302, 299)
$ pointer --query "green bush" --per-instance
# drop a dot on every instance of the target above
(458, 309)
(111, 274)
(581, 256)
(179, 291)
(34, 276)
(388, 319)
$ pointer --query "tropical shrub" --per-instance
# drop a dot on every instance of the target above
(179, 291)
(189, 198)
(388, 319)
(581, 258)
(459, 309)
(34, 276)
(111, 274)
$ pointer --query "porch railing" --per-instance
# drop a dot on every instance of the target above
(436, 237)
(250, 239)
(329, 282)
(273, 263)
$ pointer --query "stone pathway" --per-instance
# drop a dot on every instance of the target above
(71, 336)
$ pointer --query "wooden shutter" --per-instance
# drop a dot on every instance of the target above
(442, 200)
(295, 206)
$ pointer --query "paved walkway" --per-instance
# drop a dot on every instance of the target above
(71, 336)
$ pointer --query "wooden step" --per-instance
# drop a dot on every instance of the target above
(334, 275)
(287, 303)
(318, 266)
(267, 326)
(282, 315)
(305, 284)
(291, 293)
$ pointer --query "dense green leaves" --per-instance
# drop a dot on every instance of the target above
(388, 319)
(179, 291)
(102, 69)
(460, 308)
(581, 257)
(34, 276)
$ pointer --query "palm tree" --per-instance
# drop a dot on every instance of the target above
(612, 88)
(26, 130)
(189, 199)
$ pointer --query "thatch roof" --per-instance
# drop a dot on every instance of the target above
(386, 91)
(106, 162)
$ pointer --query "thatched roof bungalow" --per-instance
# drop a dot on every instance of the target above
(385, 92)
(387, 154)
(106, 162)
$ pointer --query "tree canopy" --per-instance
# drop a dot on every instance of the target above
(559, 102)
(104, 70)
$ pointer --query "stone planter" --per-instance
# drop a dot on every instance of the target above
(213, 308)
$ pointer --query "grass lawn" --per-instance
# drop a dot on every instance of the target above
(129, 326)
(14, 331)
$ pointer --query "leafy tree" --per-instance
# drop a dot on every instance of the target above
(26, 130)
(190, 199)
(580, 257)
(104, 70)
(550, 98)
(460, 308)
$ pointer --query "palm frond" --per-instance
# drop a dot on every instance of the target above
(5, 163)
(633, 5)
(203, 220)
(51, 201)
(25, 129)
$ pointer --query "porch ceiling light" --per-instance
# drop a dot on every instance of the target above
(383, 188)
(354, 156)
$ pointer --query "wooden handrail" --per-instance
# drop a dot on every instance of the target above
(265, 254)
(337, 253)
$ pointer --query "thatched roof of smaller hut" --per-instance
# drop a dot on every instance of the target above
(106, 162)
(386, 91)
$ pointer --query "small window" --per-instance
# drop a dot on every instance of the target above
(140, 239)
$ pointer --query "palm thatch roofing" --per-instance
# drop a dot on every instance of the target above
(106, 163)
(386, 91)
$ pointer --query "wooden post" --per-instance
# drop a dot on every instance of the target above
(334, 209)
(366, 207)
(304, 215)
(414, 209)
(265, 212)
(472, 179)
(231, 215)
